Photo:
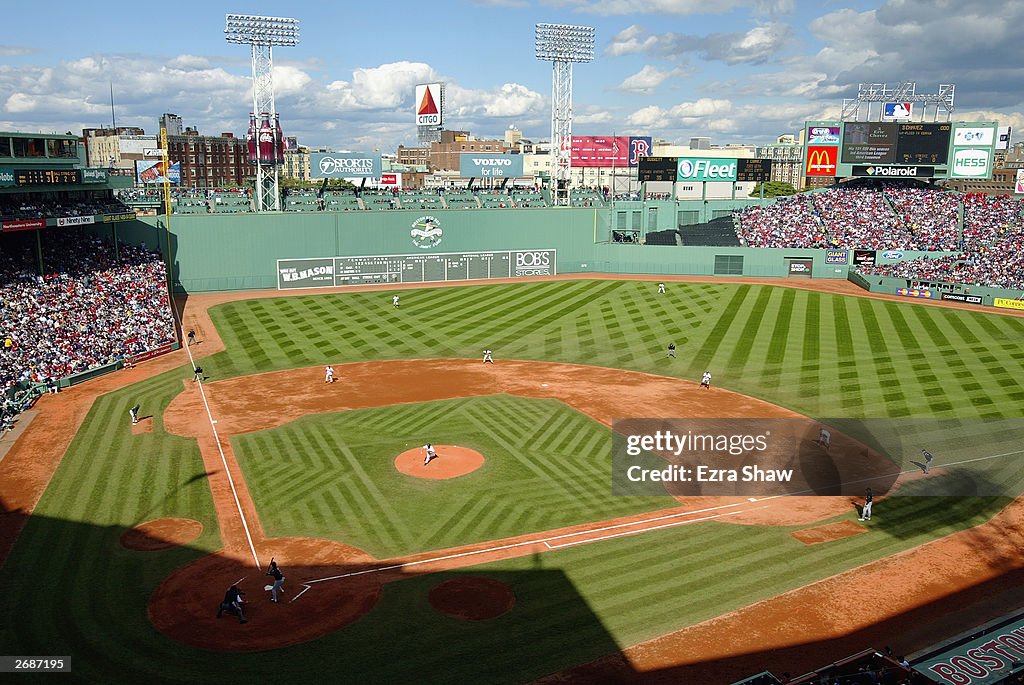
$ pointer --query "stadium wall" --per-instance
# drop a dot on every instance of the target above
(240, 252)
(957, 292)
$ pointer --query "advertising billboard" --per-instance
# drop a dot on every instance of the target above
(971, 163)
(821, 160)
(7, 177)
(971, 135)
(1003, 138)
(609, 151)
(823, 135)
(706, 169)
(893, 171)
(95, 176)
(1018, 186)
(153, 172)
(891, 143)
(428, 105)
(344, 165)
(474, 165)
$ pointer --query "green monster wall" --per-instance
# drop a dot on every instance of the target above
(238, 252)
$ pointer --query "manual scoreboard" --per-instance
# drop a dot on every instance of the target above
(413, 268)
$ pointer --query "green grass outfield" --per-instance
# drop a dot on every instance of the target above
(68, 588)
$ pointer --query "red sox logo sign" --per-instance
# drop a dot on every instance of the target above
(638, 147)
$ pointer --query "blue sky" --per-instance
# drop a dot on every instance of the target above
(734, 70)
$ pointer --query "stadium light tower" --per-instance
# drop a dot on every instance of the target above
(262, 34)
(563, 44)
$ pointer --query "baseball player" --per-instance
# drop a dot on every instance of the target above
(394, 301)
(278, 580)
(661, 288)
(865, 513)
(134, 413)
(927, 460)
(328, 374)
(824, 438)
(198, 374)
(705, 381)
(488, 359)
(429, 453)
(672, 350)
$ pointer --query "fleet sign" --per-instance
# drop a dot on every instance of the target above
(473, 165)
(705, 169)
(344, 165)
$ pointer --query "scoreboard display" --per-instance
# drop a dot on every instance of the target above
(46, 177)
(755, 170)
(413, 268)
(657, 169)
(891, 143)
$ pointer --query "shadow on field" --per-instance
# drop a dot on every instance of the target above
(113, 614)
(76, 591)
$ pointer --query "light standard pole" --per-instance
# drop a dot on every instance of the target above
(262, 34)
(563, 44)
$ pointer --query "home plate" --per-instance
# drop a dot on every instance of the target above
(543, 385)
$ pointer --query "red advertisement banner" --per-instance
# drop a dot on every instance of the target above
(821, 160)
(23, 225)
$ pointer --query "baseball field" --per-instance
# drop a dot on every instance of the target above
(521, 565)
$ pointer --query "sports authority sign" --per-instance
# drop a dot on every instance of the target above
(414, 268)
(428, 105)
(821, 160)
(344, 165)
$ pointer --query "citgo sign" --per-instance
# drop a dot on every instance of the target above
(705, 169)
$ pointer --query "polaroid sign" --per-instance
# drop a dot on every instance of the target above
(533, 263)
(886, 171)
(705, 169)
(490, 166)
(970, 163)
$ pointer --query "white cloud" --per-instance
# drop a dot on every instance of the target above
(755, 46)
(672, 7)
(648, 79)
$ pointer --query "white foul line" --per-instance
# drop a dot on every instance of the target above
(544, 541)
(216, 436)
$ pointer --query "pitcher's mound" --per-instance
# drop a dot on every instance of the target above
(451, 462)
(158, 534)
(472, 598)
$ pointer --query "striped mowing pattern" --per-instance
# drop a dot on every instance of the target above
(333, 476)
(820, 354)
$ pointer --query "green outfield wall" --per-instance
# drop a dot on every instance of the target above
(239, 252)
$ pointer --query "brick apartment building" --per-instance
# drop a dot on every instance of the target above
(210, 161)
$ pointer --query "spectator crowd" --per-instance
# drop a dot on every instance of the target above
(88, 309)
(15, 207)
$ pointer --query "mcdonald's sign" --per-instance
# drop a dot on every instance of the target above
(821, 160)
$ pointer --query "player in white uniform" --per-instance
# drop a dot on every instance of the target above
(488, 359)
(824, 438)
(328, 374)
(429, 453)
(394, 301)
(661, 288)
(705, 381)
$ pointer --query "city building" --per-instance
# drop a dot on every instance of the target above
(211, 161)
(173, 124)
(444, 155)
(786, 156)
(118, 151)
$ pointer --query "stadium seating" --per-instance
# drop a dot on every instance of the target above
(586, 197)
(341, 201)
(460, 199)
